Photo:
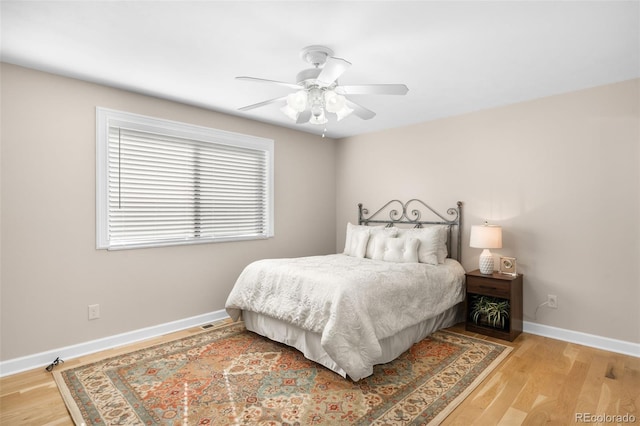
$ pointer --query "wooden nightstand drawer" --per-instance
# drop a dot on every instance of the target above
(489, 287)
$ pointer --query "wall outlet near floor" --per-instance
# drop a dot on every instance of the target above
(552, 301)
(94, 312)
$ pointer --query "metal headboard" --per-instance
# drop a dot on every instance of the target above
(400, 213)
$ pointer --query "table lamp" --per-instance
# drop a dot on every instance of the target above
(486, 237)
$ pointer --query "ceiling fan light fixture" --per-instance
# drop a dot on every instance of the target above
(319, 118)
(297, 101)
(333, 102)
(318, 93)
(336, 104)
(290, 112)
(343, 112)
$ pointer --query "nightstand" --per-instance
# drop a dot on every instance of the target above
(501, 288)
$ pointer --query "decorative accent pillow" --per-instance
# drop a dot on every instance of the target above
(373, 232)
(433, 247)
(399, 250)
(376, 233)
(356, 240)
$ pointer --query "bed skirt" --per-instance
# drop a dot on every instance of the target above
(308, 342)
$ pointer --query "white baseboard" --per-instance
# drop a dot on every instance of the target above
(591, 340)
(17, 365)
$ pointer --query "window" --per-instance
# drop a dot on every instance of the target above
(164, 183)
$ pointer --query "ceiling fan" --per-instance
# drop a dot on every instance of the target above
(317, 92)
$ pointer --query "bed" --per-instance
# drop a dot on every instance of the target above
(398, 280)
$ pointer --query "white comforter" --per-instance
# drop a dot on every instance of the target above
(352, 302)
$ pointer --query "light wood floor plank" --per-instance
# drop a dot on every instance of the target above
(592, 388)
(567, 399)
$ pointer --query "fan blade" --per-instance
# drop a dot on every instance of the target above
(360, 111)
(373, 89)
(261, 104)
(304, 116)
(333, 68)
(279, 83)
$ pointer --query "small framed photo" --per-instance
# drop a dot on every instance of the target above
(508, 266)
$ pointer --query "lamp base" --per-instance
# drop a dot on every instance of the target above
(486, 262)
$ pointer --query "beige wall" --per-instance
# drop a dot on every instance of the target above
(560, 174)
(50, 269)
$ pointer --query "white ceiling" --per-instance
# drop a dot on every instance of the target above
(454, 56)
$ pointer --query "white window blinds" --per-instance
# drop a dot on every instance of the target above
(164, 183)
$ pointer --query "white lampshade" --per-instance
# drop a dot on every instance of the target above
(486, 237)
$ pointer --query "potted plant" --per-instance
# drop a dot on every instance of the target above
(490, 311)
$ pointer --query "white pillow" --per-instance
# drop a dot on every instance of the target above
(373, 232)
(433, 247)
(442, 244)
(376, 233)
(399, 250)
(356, 240)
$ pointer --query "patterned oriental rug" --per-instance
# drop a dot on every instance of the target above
(229, 375)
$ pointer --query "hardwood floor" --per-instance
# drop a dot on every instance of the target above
(543, 381)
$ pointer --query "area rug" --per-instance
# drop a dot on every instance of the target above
(229, 375)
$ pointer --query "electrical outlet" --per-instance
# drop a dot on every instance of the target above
(94, 312)
(552, 301)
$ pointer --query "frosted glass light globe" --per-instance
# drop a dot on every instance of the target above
(297, 101)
